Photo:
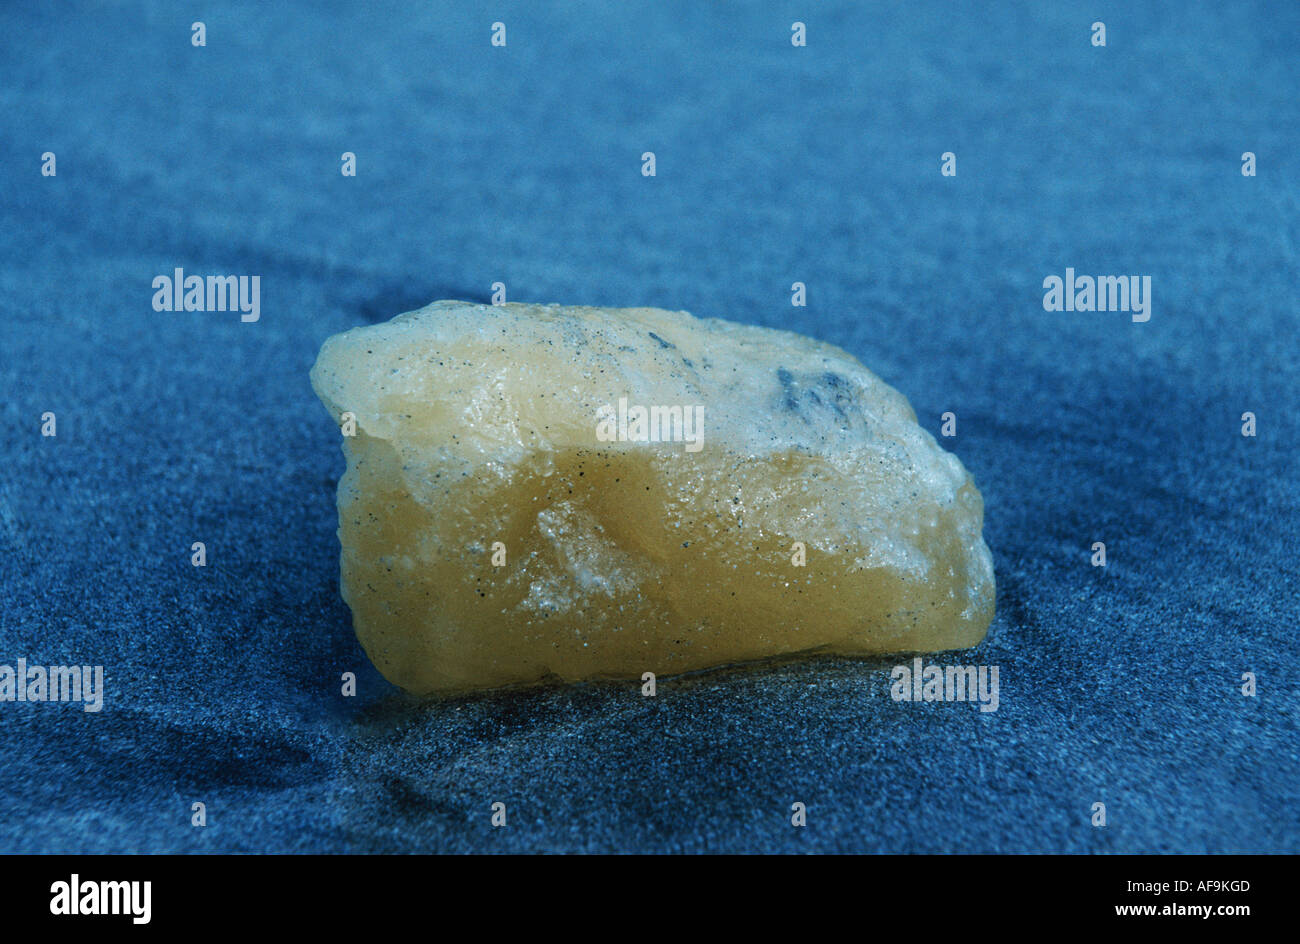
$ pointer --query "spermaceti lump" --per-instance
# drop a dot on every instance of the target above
(539, 492)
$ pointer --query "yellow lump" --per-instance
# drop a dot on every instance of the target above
(536, 492)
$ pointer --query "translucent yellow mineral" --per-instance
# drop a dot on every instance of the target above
(540, 492)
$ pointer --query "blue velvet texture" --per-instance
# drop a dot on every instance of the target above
(775, 164)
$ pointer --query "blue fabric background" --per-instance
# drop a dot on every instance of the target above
(775, 164)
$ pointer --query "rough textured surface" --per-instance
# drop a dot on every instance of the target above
(628, 538)
(774, 165)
